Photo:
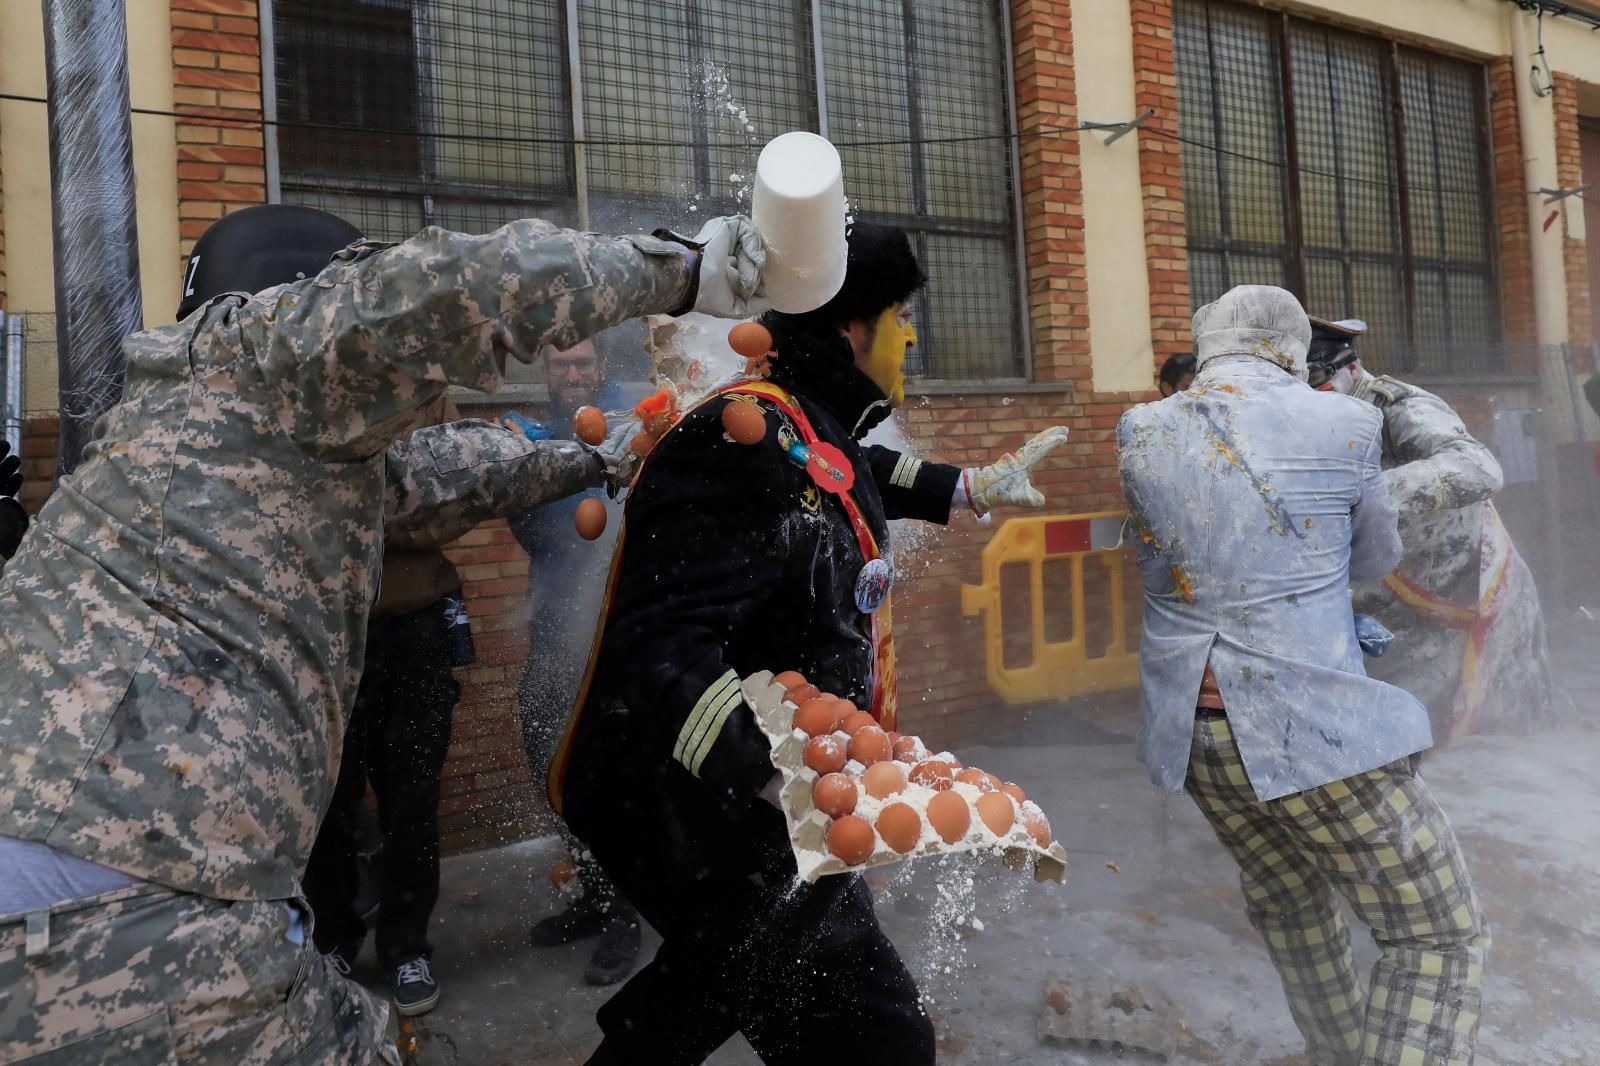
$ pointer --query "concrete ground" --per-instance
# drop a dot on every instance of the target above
(1150, 903)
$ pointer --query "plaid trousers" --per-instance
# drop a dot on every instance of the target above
(1380, 840)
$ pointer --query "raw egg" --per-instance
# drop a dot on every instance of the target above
(900, 826)
(883, 779)
(997, 812)
(590, 518)
(949, 815)
(1037, 825)
(855, 721)
(1015, 792)
(815, 717)
(908, 749)
(933, 774)
(851, 839)
(802, 693)
(869, 746)
(744, 423)
(834, 795)
(977, 779)
(562, 874)
(641, 444)
(789, 679)
(750, 339)
(825, 754)
(589, 425)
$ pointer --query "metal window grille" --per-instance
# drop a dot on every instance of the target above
(1350, 170)
(401, 113)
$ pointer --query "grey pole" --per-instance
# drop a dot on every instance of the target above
(92, 207)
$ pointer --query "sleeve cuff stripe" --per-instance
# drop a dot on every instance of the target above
(701, 716)
(905, 472)
(719, 718)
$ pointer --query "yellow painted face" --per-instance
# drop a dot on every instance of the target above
(886, 360)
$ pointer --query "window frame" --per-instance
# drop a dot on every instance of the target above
(577, 197)
(1411, 350)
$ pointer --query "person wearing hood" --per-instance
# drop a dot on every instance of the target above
(735, 559)
(1255, 501)
(1469, 630)
(183, 627)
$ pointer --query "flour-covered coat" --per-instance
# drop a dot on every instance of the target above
(1442, 481)
(1254, 500)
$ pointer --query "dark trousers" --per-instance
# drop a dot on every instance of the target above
(397, 738)
(803, 971)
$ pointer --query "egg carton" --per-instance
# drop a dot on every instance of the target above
(808, 827)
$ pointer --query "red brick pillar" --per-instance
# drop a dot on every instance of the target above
(1511, 207)
(1569, 175)
(1161, 175)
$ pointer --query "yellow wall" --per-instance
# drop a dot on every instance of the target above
(25, 146)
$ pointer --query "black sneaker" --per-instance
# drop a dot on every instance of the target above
(415, 990)
(579, 920)
(614, 957)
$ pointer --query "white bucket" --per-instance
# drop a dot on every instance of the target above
(799, 211)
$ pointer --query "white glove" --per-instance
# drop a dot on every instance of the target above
(1007, 482)
(731, 260)
(618, 463)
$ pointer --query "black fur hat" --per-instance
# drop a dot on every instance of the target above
(882, 271)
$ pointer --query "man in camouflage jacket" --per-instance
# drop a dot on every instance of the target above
(181, 632)
(1460, 579)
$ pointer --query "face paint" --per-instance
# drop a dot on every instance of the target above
(885, 361)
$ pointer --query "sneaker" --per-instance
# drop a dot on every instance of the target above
(614, 957)
(576, 922)
(415, 990)
(340, 964)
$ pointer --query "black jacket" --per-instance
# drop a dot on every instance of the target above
(731, 564)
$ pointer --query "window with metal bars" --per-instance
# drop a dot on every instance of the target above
(1351, 170)
(623, 115)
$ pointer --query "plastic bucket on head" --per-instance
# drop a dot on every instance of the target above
(799, 210)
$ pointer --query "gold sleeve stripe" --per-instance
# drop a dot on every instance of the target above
(718, 719)
(706, 711)
(905, 472)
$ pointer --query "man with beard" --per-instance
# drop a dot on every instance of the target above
(1469, 631)
(566, 584)
(735, 559)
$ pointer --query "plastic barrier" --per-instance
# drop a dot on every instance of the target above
(1058, 669)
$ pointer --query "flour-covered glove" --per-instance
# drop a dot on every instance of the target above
(617, 461)
(13, 519)
(1008, 481)
(728, 281)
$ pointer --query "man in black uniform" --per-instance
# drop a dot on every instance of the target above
(738, 559)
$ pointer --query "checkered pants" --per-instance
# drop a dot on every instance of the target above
(1380, 841)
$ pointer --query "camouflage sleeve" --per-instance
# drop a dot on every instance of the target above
(446, 479)
(1441, 466)
(377, 335)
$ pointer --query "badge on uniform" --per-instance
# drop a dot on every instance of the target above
(872, 585)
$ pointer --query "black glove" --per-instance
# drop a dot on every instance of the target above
(13, 519)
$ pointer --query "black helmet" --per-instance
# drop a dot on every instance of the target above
(882, 271)
(260, 247)
(1333, 347)
(1175, 369)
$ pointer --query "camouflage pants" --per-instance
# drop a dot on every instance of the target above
(1380, 841)
(144, 975)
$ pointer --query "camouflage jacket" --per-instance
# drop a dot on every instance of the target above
(182, 631)
(1440, 478)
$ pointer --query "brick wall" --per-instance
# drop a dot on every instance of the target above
(1511, 204)
(1569, 175)
(1161, 176)
(216, 58)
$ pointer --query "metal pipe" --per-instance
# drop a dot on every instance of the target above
(15, 353)
(92, 206)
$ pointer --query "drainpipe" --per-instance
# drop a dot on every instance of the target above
(1535, 123)
(13, 364)
(92, 210)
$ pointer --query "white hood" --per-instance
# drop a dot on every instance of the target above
(1260, 321)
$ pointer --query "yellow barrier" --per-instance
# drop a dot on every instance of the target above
(1059, 669)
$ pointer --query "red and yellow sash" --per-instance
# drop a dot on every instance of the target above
(883, 674)
(1495, 554)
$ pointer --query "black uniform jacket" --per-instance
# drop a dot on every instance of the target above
(733, 562)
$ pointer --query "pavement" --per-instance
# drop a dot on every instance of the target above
(1149, 919)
